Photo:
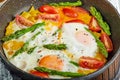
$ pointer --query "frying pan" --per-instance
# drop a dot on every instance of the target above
(13, 7)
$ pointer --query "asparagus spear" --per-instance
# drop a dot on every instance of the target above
(101, 46)
(55, 47)
(100, 20)
(77, 3)
(55, 72)
(19, 33)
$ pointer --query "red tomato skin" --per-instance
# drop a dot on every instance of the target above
(90, 63)
(53, 17)
(47, 9)
(23, 21)
(40, 74)
(93, 25)
(75, 20)
(107, 41)
(70, 12)
(81, 10)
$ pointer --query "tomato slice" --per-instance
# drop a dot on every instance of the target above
(94, 26)
(48, 9)
(75, 20)
(90, 63)
(40, 74)
(70, 12)
(54, 17)
(23, 21)
(80, 10)
(107, 41)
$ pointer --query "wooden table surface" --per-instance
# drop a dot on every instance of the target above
(111, 72)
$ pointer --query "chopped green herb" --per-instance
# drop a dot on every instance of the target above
(59, 30)
(31, 50)
(35, 35)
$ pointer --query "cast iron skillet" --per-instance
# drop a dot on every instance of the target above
(13, 7)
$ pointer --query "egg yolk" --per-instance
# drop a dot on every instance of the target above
(84, 38)
(52, 62)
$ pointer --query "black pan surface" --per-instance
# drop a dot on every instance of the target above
(13, 7)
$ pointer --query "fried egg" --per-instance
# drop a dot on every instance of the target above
(79, 41)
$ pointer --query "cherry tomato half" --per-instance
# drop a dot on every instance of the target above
(70, 12)
(90, 63)
(94, 26)
(40, 74)
(107, 41)
(54, 17)
(48, 9)
(23, 21)
(80, 10)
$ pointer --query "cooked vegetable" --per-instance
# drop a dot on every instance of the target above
(94, 26)
(53, 17)
(101, 46)
(48, 9)
(55, 72)
(100, 20)
(90, 63)
(107, 42)
(55, 46)
(40, 74)
(70, 12)
(23, 21)
(19, 33)
(81, 10)
(77, 3)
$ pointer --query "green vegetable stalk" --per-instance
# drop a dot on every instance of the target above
(100, 20)
(55, 46)
(101, 46)
(77, 3)
(55, 72)
(19, 33)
